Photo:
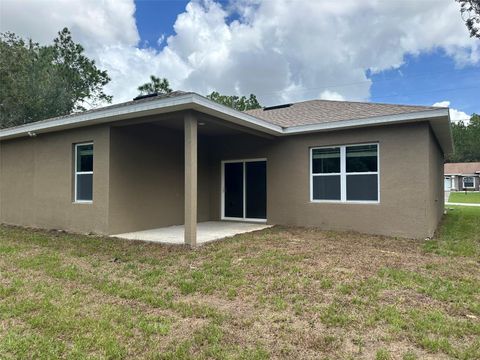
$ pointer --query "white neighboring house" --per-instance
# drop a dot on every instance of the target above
(462, 176)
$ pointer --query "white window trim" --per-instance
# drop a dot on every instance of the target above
(76, 201)
(343, 175)
(244, 218)
(473, 182)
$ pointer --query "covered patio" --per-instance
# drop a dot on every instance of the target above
(186, 178)
(206, 232)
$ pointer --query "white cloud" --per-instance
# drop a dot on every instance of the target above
(455, 115)
(444, 103)
(93, 23)
(331, 95)
(281, 50)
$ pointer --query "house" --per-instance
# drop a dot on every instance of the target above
(182, 159)
(462, 176)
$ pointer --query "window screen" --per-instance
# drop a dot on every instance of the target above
(326, 164)
(326, 187)
(347, 173)
(362, 187)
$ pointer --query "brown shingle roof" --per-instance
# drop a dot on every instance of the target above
(462, 168)
(324, 111)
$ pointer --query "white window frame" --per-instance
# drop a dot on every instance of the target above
(76, 172)
(473, 182)
(343, 175)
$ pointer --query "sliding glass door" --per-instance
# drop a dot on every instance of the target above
(244, 190)
(233, 185)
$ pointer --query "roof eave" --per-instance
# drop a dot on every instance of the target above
(189, 101)
(440, 128)
(210, 107)
(192, 101)
(98, 117)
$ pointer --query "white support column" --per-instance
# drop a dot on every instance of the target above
(190, 126)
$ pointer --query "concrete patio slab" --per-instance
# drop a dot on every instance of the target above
(206, 232)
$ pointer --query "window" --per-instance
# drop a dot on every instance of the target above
(84, 173)
(345, 173)
(326, 174)
(468, 182)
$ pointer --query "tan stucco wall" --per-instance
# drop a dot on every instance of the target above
(139, 179)
(407, 161)
(436, 200)
(36, 181)
(147, 178)
(403, 183)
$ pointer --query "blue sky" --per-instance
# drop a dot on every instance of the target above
(429, 78)
(156, 18)
(423, 79)
(407, 52)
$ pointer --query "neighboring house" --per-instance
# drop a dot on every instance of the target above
(179, 159)
(462, 176)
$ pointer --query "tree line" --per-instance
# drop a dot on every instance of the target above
(39, 82)
(161, 86)
(466, 139)
(44, 81)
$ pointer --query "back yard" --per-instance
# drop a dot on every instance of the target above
(279, 293)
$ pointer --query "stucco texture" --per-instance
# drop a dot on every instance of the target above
(139, 179)
(147, 178)
(405, 203)
(36, 181)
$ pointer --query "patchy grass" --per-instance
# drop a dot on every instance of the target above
(459, 233)
(462, 197)
(279, 293)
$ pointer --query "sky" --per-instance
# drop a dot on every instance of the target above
(392, 51)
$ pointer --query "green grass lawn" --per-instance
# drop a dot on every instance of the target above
(461, 197)
(287, 293)
(459, 233)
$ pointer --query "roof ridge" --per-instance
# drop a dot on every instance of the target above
(379, 103)
(368, 103)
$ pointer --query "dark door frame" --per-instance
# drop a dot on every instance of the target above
(222, 190)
